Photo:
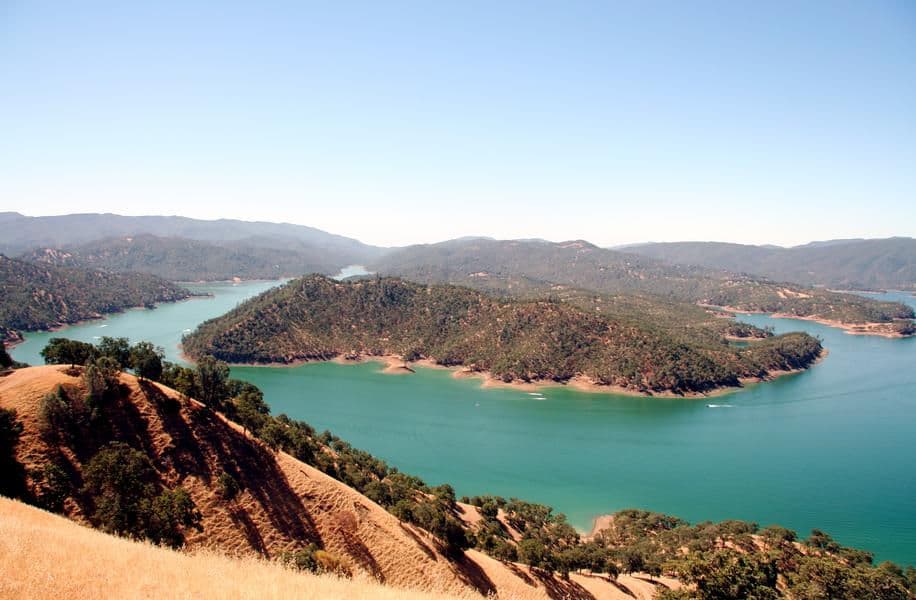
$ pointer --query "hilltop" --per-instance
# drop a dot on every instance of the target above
(182, 259)
(839, 264)
(34, 296)
(316, 318)
(477, 263)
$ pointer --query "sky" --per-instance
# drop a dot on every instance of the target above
(412, 122)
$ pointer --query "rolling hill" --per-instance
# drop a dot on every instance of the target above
(316, 318)
(181, 259)
(34, 296)
(839, 264)
(48, 557)
(22, 233)
(481, 262)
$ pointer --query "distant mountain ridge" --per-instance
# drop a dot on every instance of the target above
(848, 264)
(182, 259)
(22, 233)
(583, 265)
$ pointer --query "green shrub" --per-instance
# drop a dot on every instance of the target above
(227, 487)
(12, 473)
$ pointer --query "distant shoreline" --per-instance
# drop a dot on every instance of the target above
(97, 317)
(871, 328)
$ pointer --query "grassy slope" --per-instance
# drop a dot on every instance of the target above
(48, 557)
(315, 318)
(284, 504)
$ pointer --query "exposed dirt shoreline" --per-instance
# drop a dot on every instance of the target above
(875, 329)
(396, 365)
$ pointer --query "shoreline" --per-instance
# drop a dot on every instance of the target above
(99, 317)
(396, 365)
(873, 328)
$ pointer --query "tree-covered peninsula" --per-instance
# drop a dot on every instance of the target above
(513, 340)
(34, 296)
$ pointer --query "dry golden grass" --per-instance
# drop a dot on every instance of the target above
(284, 505)
(47, 556)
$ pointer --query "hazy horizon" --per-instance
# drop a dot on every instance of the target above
(472, 235)
(408, 123)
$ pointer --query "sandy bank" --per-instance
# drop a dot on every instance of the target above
(396, 365)
(877, 329)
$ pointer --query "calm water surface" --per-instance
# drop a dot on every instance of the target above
(833, 448)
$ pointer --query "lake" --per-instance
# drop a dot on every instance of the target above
(832, 448)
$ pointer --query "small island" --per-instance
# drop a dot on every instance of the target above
(508, 341)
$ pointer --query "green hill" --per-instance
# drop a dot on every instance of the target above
(36, 296)
(316, 318)
(479, 262)
(840, 264)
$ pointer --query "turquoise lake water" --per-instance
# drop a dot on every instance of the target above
(832, 448)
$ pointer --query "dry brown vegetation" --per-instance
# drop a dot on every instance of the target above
(46, 556)
(283, 505)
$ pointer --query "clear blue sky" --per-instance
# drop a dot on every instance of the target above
(400, 122)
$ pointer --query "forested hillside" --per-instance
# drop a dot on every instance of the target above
(839, 264)
(34, 296)
(582, 265)
(181, 259)
(316, 318)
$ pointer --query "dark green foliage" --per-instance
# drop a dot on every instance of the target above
(123, 486)
(181, 379)
(727, 575)
(532, 552)
(170, 514)
(118, 349)
(52, 487)
(36, 296)
(6, 361)
(212, 381)
(822, 578)
(101, 380)
(12, 473)
(146, 360)
(57, 417)
(227, 486)
(122, 482)
(63, 351)
(318, 318)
